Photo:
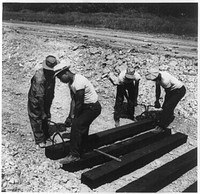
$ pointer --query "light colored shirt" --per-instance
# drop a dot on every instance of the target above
(120, 80)
(169, 82)
(79, 83)
(122, 76)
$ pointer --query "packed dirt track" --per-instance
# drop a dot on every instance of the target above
(94, 53)
(141, 42)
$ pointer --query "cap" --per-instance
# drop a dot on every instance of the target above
(130, 73)
(61, 67)
(152, 74)
(50, 62)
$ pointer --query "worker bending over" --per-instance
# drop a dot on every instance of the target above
(127, 84)
(174, 92)
(84, 109)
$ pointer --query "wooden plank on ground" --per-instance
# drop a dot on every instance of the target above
(102, 138)
(166, 174)
(131, 161)
(192, 188)
(92, 158)
(116, 134)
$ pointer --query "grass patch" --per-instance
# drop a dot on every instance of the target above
(134, 21)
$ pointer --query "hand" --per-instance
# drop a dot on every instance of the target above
(68, 122)
(49, 115)
(157, 104)
(135, 103)
(44, 116)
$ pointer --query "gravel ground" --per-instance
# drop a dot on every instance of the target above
(94, 54)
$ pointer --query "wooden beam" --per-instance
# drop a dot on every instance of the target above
(166, 174)
(119, 133)
(92, 158)
(192, 188)
(102, 138)
(131, 161)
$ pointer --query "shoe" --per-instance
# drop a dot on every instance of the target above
(117, 123)
(158, 129)
(49, 142)
(69, 159)
(41, 145)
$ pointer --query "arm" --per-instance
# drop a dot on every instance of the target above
(72, 106)
(38, 87)
(68, 121)
(136, 89)
(113, 79)
(79, 101)
(158, 91)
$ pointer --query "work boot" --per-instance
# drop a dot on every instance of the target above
(41, 145)
(49, 142)
(68, 159)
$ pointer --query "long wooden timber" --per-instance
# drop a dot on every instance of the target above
(92, 158)
(166, 174)
(103, 138)
(112, 170)
(192, 188)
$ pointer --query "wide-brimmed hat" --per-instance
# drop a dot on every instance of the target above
(63, 65)
(152, 74)
(130, 73)
(50, 62)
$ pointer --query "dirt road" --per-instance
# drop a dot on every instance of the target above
(94, 52)
(144, 42)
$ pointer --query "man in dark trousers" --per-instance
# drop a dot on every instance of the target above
(84, 109)
(127, 84)
(174, 92)
(40, 97)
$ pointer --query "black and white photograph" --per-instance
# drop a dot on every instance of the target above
(99, 96)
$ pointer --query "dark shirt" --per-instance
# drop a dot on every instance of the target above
(41, 87)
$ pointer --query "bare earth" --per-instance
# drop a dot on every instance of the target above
(94, 53)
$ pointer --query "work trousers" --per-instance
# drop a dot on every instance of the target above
(171, 100)
(39, 126)
(80, 128)
(128, 91)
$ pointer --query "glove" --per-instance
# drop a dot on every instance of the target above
(68, 122)
(157, 104)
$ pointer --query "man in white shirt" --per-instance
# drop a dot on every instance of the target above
(84, 108)
(127, 86)
(174, 89)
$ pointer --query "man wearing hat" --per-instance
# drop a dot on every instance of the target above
(174, 89)
(40, 97)
(84, 109)
(127, 86)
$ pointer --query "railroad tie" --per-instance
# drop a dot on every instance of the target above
(112, 170)
(102, 138)
(92, 158)
(164, 175)
(192, 188)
